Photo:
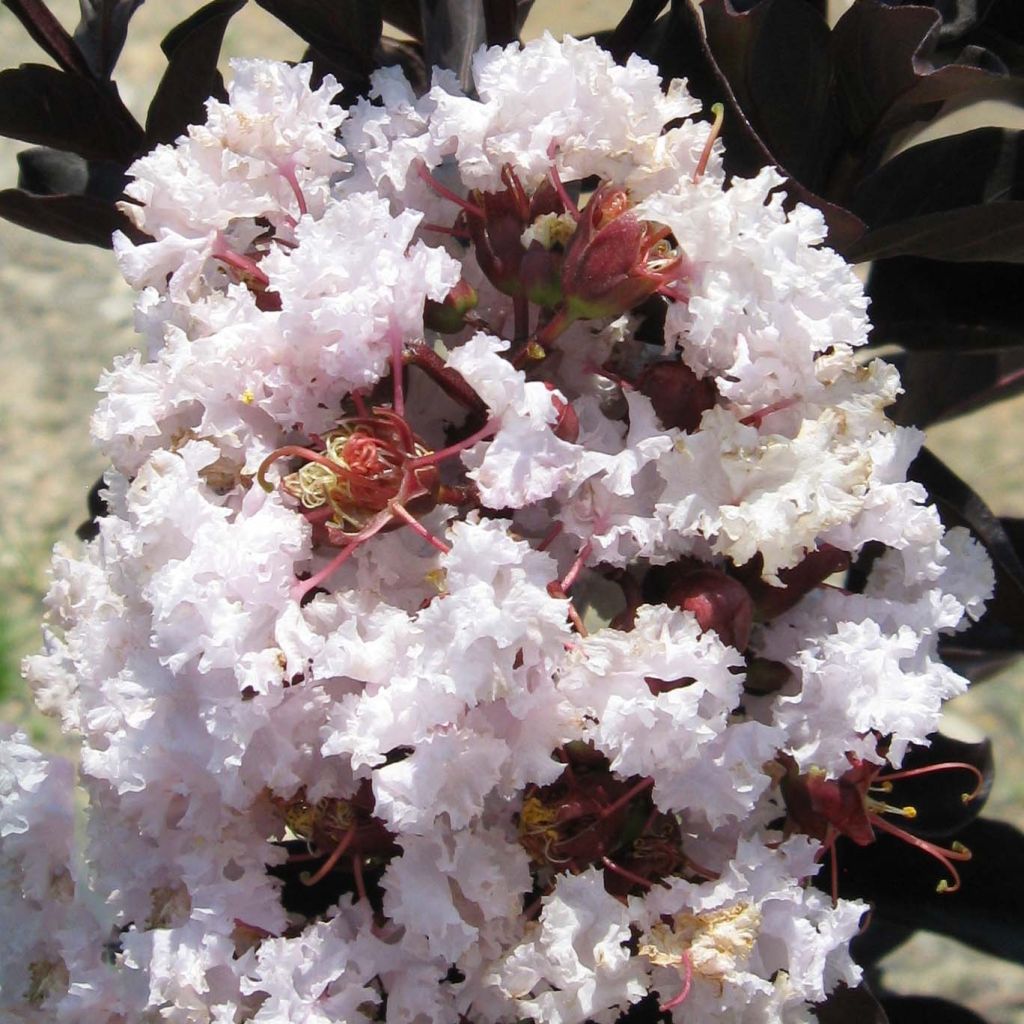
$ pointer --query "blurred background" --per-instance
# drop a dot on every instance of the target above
(66, 313)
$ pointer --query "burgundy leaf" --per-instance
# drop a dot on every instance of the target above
(986, 911)
(991, 231)
(885, 75)
(940, 384)
(777, 59)
(102, 30)
(958, 505)
(927, 304)
(48, 32)
(41, 105)
(851, 1006)
(452, 32)
(82, 219)
(344, 31)
(976, 167)
(678, 47)
(927, 1010)
(191, 76)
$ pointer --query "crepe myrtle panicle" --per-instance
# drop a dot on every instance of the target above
(466, 638)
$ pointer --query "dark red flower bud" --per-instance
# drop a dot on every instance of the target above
(497, 232)
(449, 316)
(718, 601)
(680, 398)
(614, 260)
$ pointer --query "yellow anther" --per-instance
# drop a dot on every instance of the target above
(943, 886)
(909, 812)
(535, 351)
(961, 849)
(247, 396)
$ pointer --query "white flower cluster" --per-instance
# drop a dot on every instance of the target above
(478, 709)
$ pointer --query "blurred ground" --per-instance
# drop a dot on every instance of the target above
(66, 313)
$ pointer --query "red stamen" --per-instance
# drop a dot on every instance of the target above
(357, 870)
(556, 180)
(943, 856)
(910, 773)
(446, 193)
(574, 570)
(241, 263)
(702, 165)
(328, 866)
(625, 873)
(401, 512)
(687, 981)
(756, 418)
(288, 173)
(633, 791)
(489, 429)
(551, 536)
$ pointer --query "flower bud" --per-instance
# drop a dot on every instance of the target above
(718, 601)
(497, 233)
(614, 260)
(680, 398)
(449, 316)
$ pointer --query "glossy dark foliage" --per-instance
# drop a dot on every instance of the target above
(927, 1010)
(959, 505)
(101, 32)
(900, 881)
(191, 76)
(851, 1006)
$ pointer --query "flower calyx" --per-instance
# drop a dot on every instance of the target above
(614, 260)
(590, 817)
(852, 805)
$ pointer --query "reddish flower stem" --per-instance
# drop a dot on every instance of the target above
(328, 865)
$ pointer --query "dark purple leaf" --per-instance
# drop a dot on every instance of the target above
(101, 32)
(504, 20)
(886, 77)
(54, 172)
(993, 231)
(51, 36)
(1000, 28)
(851, 1006)
(82, 219)
(44, 106)
(404, 15)
(927, 1010)
(452, 32)
(981, 166)
(938, 796)
(941, 385)
(409, 57)
(958, 505)
(344, 31)
(676, 44)
(634, 25)
(191, 76)
(900, 880)
(933, 305)
(877, 939)
(777, 60)
(984, 649)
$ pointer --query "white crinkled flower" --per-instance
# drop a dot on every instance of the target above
(430, 674)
